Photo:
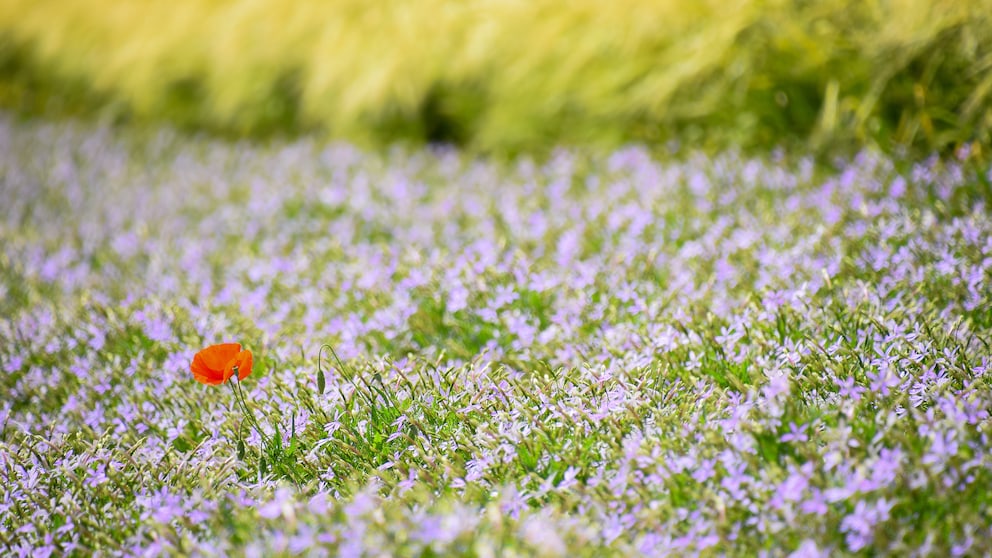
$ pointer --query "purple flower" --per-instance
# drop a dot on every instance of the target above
(281, 504)
(848, 389)
(809, 549)
(815, 504)
(859, 526)
(795, 433)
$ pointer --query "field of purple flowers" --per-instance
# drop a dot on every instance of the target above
(613, 354)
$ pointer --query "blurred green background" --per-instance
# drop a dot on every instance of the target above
(505, 76)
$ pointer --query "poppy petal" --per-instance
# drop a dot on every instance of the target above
(244, 364)
(229, 369)
(199, 366)
(201, 371)
(216, 356)
(210, 380)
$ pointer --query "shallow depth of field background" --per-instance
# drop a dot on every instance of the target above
(631, 278)
(507, 76)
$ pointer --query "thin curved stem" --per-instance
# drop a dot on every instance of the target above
(239, 397)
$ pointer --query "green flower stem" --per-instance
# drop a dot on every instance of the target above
(239, 397)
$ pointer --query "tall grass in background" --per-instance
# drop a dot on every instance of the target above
(517, 75)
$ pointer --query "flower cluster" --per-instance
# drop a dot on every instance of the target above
(589, 354)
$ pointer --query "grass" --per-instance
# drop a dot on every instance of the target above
(499, 77)
(597, 354)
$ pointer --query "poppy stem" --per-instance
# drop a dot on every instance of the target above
(267, 443)
(239, 397)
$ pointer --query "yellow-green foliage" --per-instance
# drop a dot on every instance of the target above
(503, 74)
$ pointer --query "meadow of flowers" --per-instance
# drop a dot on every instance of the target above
(616, 354)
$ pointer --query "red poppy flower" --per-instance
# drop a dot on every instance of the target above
(217, 363)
